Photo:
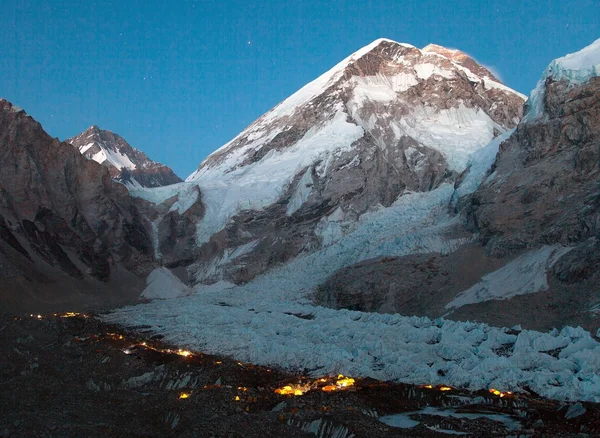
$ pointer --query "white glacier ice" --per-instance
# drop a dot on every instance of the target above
(302, 192)
(265, 321)
(187, 194)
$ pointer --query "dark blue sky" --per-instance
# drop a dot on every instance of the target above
(178, 81)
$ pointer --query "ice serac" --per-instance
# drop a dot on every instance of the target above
(389, 119)
(68, 233)
(126, 164)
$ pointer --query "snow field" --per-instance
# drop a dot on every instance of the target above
(525, 275)
(163, 284)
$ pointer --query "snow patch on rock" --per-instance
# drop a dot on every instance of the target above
(426, 70)
(576, 68)
(380, 88)
(525, 275)
(163, 284)
(478, 165)
(115, 158)
(302, 192)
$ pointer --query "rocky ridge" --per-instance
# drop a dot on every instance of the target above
(67, 231)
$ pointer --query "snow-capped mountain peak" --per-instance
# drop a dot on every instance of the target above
(104, 146)
(126, 164)
(378, 72)
(388, 118)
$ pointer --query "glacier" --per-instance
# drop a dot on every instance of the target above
(271, 320)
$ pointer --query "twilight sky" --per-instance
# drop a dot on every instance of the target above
(179, 79)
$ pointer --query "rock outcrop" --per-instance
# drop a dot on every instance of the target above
(545, 181)
(125, 164)
(67, 231)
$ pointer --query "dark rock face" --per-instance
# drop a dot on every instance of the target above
(579, 265)
(176, 233)
(174, 230)
(61, 213)
(546, 186)
(418, 284)
(125, 163)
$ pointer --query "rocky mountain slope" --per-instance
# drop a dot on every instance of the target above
(390, 119)
(67, 231)
(544, 187)
(536, 219)
(125, 164)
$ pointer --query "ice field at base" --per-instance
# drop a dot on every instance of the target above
(271, 321)
(319, 341)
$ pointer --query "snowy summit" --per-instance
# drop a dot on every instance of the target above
(126, 164)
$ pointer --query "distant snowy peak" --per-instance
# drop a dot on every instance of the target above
(574, 69)
(125, 163)
(105, 147)
(386, 86)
